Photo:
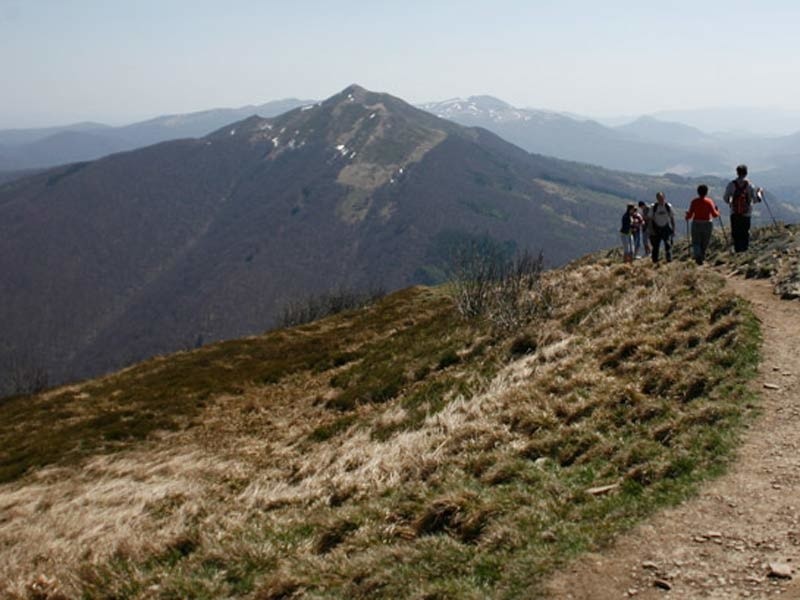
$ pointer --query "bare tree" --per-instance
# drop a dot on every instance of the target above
(486, 283)
(317, 306)
(22, 374)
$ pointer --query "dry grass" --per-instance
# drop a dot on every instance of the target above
(115, 505)
(393, 452)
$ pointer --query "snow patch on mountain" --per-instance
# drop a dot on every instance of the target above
(486, 108)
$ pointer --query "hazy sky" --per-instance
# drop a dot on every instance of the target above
(121, 60)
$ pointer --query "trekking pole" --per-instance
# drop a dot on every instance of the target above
(764, 200)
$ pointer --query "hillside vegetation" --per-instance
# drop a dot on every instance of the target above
(393, 451)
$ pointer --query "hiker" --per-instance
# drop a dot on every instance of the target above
(626, 233)
(740, 195)
(637, 226)
(662, 227)
(701, 211)
(644, 211)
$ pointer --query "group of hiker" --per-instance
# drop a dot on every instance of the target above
(648, 227)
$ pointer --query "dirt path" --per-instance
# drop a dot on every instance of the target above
(721, 543)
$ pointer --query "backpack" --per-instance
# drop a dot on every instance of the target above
(741, 197)
(655, 207)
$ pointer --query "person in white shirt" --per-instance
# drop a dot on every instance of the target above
(662, 227)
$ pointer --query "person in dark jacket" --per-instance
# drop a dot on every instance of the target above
(626, 233)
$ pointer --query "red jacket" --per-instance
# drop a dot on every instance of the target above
(702, 209)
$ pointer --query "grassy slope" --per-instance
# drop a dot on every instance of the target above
(391, 452)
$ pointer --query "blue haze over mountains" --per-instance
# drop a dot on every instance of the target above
(667, 142)
(648, 144)
(22, 149)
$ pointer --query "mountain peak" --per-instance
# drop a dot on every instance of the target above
(354, 91)
(369, 138)
(489, 102)
(653, 129)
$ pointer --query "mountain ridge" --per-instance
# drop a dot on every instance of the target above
(568, 138)
(641, 144)
(22, 149)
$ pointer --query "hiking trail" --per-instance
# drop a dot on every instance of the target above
(739, 537)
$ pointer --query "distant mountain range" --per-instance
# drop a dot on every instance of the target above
(189, 241)
(666, 133)
(630, 148)
(38, 148)
(666, 142)
(741, 122)
(646, 145)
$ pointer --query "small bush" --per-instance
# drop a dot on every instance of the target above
(314, 307)
(22, 375)
(487, 284)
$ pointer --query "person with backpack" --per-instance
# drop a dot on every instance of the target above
(701, 211)
(662, 227)
(740, 195)
(626, 233)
